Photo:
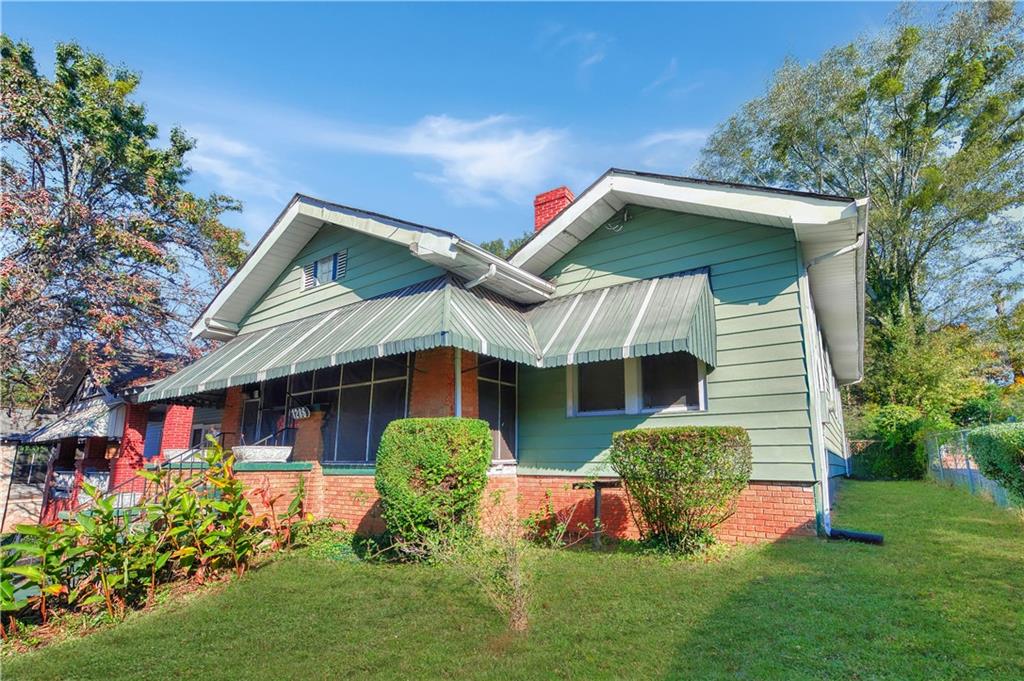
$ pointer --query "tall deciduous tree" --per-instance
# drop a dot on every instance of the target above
(105, 257)
(928, 120)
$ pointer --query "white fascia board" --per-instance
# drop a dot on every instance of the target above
(252, 262)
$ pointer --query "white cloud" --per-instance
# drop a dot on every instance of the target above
(477, 160)
(234, 166)
(672, 150)
(667, 75)
(589, 47)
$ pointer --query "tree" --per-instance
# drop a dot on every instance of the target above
(104, 255)
(500, 249)
(928, 120)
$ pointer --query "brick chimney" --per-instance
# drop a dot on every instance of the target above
(549, 204)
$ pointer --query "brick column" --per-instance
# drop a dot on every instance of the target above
(231, 417)
(133, 442)
(309, 444)
(433, 383)
(177, 428)
(470, 395)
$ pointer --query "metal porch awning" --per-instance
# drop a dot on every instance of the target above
(646, 317)
(650, 316)
(91, 418)
(440, 312)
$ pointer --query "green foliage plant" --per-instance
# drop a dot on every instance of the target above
(681, 482)
(430, 475)
(998, 450)
(897, 452)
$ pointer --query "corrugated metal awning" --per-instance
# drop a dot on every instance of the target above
(92, 418)
(435, 313)
(650, 316)
(646, 317)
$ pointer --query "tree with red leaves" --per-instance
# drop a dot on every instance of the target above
(105, 257)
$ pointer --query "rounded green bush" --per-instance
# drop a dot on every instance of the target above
(431, 474)
(682, 482)
(999, 452)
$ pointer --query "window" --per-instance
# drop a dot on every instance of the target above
(669, 382)
(325, 270)
(601, 387)
(30, 465)
(200, 431)
(496, 390)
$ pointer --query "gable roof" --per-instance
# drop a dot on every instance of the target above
(831, 231)
(304, 216)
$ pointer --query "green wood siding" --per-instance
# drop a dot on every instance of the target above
(374, 267)
(760, 382)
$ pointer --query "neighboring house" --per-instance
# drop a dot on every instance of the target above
(97, 436)
(648, 301)
(22, 468)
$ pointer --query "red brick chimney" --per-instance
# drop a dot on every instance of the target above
(549, 204)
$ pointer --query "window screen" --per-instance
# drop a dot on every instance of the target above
(670, 380)
(496, 392)
(601, 386)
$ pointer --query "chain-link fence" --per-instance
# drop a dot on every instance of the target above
(950, 461)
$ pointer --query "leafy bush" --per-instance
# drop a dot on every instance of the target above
(192, 527)
(999, 452)
(681, 482)
(431, 474)
(897, 453)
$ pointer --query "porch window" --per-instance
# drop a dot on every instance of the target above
(358, 401)
(496, 389)
(671, 382)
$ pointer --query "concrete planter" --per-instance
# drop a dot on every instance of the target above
(262, 453)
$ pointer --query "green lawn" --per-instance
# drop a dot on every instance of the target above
(944, 598)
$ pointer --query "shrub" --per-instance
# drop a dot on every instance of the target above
(681, 482)
(896, 453)
(999, 452)
(431, 474)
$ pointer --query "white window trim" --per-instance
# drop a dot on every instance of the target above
(634, 393)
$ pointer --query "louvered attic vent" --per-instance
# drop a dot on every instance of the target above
(325, 270)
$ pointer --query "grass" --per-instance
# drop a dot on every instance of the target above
(942, 599)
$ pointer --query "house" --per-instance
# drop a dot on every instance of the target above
(95, 436)
(649, 300)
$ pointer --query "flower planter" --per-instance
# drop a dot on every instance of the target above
(263, 453)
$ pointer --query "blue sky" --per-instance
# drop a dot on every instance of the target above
(449, 115)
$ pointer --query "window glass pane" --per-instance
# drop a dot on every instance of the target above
(355, 419)
(669, 380)
(508, 371)
(508, 422)
(324, 269)
(488, 395)
(326, 401)
(274, 393)
(602, 386)
(487, 367)
(249, 414)
(357, 372)
(390, 367)
(197, 438)
(302, 382)
(327, 378)
(388, 405)
(272, 423)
